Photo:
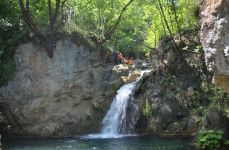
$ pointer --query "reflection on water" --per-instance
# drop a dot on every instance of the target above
(126, 143)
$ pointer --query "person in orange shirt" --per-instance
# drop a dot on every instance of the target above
(129, 61)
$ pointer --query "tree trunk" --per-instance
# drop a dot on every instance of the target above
(175, 13)
(167, 26)
(47, 40)
(162, 22)
(112, 29)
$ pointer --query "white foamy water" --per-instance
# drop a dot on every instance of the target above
(116, 115)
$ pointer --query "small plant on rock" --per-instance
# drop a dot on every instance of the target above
(147, 111)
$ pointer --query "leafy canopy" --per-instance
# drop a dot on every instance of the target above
(141, 22)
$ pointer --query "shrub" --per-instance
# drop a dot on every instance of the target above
(210, 139)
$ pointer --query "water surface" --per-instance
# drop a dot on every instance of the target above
(125, 143)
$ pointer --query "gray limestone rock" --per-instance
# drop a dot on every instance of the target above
(65, 95)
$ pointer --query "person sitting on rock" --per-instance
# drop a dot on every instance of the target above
(115, 57)
(120, 57)
(126, 60)
(129, 60)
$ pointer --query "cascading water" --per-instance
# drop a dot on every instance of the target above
(116, 123)
(116, 116)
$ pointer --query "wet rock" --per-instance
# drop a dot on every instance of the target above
(138, 63)
(142, 64)
(121, 70)
(128, 73)
(187, 126)
(133, 76)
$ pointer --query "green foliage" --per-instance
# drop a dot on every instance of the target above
(10, 36)
(10, 33)
(147, 110)
(207, 96)
(210, 139)
(99, 16)
(186, 18)
(226, 142)
(7, 71)
(7, 66)
(141, 23)
(9, 12)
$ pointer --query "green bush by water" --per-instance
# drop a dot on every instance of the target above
(210, 139)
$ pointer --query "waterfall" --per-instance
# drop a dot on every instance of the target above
(115, 119)
(122, 115)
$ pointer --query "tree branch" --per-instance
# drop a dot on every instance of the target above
(111, 31)
(27, 5)
(27, 18)
(62, 10)
(147, 46)
(50, 11)
(54, 18)
(47, 41)
(62, 14)
(167, 26)
(175, 13)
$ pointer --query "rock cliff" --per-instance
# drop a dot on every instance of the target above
(62, 96)
(215, 39)
(169, 98)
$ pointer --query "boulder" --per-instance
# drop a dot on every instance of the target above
(168, 96)
(133, 76)
(128, 73)
(167, 109)
(121, 70)
(142, 64)
(187, 126)
(66, 95)
(214, 37)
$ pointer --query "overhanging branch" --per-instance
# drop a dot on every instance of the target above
(112, 29)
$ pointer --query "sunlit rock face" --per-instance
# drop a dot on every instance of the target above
(60, 96)
(215, 38)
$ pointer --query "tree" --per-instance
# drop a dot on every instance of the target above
(167, 25)
(179, 15)
(47, 40)
(113, 28)
(123, 24)
(176, 17)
